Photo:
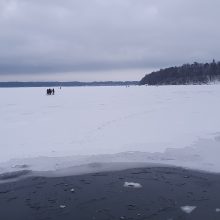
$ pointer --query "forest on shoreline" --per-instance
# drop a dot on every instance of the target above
(196, 73)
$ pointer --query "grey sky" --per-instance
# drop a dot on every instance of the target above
(104, 39)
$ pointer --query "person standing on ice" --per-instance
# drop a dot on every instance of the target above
(48, 91)
(53, 91)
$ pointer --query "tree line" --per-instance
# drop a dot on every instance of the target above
(196, 73)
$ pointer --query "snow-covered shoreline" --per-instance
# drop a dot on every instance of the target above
(170, 125)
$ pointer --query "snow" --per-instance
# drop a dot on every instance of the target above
(90, 126)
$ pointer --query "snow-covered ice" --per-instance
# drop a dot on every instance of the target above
(173, 125)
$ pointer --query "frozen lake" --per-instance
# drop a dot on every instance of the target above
(176, 125)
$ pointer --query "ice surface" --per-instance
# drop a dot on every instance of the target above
(89, 127)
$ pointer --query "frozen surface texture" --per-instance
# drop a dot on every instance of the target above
(175, 125)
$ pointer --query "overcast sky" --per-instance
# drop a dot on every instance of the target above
(88, 40)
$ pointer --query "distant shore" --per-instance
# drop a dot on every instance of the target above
(143, 193)
(66, 84)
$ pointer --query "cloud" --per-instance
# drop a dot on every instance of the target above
(47, 36)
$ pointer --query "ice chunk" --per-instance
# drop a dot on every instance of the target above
(132, 185)
(188, 209)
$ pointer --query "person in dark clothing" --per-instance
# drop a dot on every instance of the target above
(49, 91)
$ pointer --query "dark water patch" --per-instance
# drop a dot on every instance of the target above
(102, 196)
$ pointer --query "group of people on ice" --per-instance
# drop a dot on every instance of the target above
(50, 91)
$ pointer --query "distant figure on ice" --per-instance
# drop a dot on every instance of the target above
(50, 91)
